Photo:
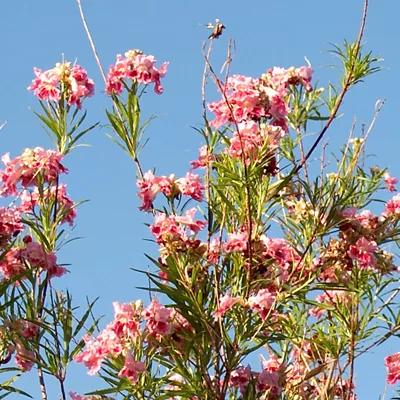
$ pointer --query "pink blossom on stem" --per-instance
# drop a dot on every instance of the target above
(10, 223)
(96, 349)
(363, 252)
(332, 298)
(137, 67)
(269, 378)
(192, 186)
(262, 302)
(30, 255)
(205, 158)
(391, 182)
(24, 358)
(236, 242)
(215, 250)
(240, 378)
(158, 319)
(65, 206)
(131, 368)
(392, 207)
(226, 302)
(27, 329)
(65, 80)
(242, 102)
(392, 364)
(126, 320)
(31, 168)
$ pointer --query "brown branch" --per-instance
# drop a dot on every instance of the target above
(97, 58)
(89, 36)
(342, 94)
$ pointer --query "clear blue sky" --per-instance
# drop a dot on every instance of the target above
(266, 33)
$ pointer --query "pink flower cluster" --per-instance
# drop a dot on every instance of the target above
(10, 223)
(62, 81)
(363, 251)
(392, 207)
(137, 67)
(112, 341)
(268, 381)
(392, 364)
(280, 79)
(246, 98)
(65, 206)
(175, 233)
(251, 137)
(158, 319)
(151, 185)
(333, 298)
(240, 378)
(243, 101)
(269, 378)
(262, 302)
(24, 358)
(204, 159)
(391, 182)
(31, 255)
(236, 242)
(132, 368)
(32, 168)
(226, 302)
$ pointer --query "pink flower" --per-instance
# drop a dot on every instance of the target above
(32, 255)
(131, 368)
(392, 207)
(391, 182)
(151, 185)
(113, 339)
(214, 251)
(126, 320)
(236, 242)
(333, 298)
(240, 378)
(205, 158)
(192, 186)
(280, 79)
(247, 141)
(363, 252)
(367, 219)
(243, 101)
(158, 319)
(282, 253)
(26, 329)
(96, 349)
(262, 302)
(226, 302)
(169, 228)
(24, 358)
(65, 206)
(31, 168)
(392, 364)
(269, 378)
(147, 191)
(64, 80)
(10, 223)
(135, 66)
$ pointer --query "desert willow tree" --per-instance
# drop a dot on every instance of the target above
(280, 261)
(272, 277)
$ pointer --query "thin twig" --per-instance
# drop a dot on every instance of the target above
(340, 99)
(89, 36)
